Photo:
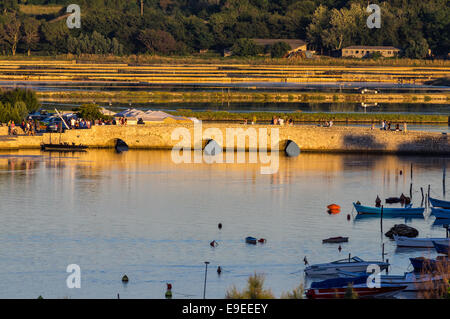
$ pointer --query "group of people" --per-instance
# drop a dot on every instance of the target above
(326, 124)
(29, 127)
(386, 126)
(280, 121)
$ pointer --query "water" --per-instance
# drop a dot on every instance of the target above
(140, 214)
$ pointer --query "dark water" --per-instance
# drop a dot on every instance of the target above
(140, 214)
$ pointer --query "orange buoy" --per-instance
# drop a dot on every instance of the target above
(334, 207)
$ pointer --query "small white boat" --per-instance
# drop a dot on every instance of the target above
(419, 242)
(352, 264)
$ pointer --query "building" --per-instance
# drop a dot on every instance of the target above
(361, 51)
(295, 44)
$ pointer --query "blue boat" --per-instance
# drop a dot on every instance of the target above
(440, 212)
(408, 210)
(422, 264)
(339, 282)
(441, 248)
(439, 203)
(251, 240)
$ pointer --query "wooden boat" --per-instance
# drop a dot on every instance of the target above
(361, 290)
(442, 248)
(408, 210)
(413, 281)
(440, 212)
(335, 240)
(403, 241)
(251, 240)
(439, 203)
(353, 264)
(422, 264)
(63, 147)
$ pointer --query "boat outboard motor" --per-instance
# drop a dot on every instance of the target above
(121, 146)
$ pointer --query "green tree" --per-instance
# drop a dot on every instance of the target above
(30, 31)
(10, 31)
(279, 49)
(245, 48)
(90, 112)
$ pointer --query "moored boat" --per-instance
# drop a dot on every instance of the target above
(422, 264)
(442, 248)
(403, 241)
(64, 147)
(439, 203)
(408, 210)
(362, 291)
(251, 240)
(335, 240)
(352, 264)
(440, 212)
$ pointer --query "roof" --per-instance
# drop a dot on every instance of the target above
(368, 47)
(293, 43)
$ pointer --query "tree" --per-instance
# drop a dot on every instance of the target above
(245, 48)
(90, 112)
(26, 96)
(417, 49)
(10, 32)
(279, 49)
(158, 41)
(30, 31)
(320, 22)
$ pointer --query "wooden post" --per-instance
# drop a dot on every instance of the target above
(381, 218)
(443, 179)
(410, 191)
(429, 190)
(411, 172)
(421, 189)
(382, 253)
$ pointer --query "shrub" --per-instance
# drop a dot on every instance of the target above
(254, 289)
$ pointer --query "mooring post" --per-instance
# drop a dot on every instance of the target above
(411, 172)
(410, 191)
(429, 190)
(382, 253)
(421, 189)
(443, 179)
(381, 218)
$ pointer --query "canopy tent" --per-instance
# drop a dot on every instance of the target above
(150, 116)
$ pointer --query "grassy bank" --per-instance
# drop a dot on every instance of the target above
(213, 59)
(312, 117)
(218, 97)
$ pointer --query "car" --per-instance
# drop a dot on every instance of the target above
(53, 124)
(369, 91)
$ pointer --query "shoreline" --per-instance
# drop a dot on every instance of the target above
(308, 138)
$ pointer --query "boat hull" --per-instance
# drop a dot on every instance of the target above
(419, 242)
(388, 211)
(362, 292)
(334, 270)
(439, 203)
(440, 213)
(442, 248)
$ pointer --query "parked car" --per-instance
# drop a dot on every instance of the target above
(53, 123)
(369, 91)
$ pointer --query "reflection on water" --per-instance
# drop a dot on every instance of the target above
(139, 214)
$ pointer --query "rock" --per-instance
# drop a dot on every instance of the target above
(402, 230)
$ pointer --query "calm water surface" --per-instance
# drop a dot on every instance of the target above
(142, 215)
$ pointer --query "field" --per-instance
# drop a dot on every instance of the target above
(39, 10)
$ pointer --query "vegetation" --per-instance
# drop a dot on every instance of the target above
(254, 289)
(192, 26)
(91, 112)
(264, 117)
(16, 104)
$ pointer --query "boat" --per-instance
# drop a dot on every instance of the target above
(403, 241)
(439, 203)
(361, 290)
(407, 210)
(442, 248)
(251, 240)
(422, 264)
(412, 281)
(440, 212)
(353, 264)
(335, 240)
(64, 147)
